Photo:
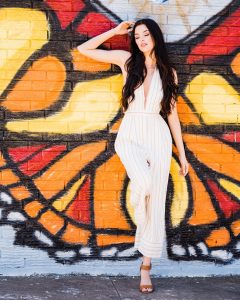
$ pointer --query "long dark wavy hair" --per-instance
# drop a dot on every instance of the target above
(137, 71)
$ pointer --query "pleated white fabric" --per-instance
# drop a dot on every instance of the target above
(144, 146)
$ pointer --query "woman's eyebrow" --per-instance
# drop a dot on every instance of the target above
(143, 31)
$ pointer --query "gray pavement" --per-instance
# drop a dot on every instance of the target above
(68, 287)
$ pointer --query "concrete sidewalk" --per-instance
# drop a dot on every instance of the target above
(68, 287)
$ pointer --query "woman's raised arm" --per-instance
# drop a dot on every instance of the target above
(117, 57)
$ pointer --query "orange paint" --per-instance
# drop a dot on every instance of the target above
(76, 235)
(33, 208)
(2, 160)
(115, 126)
(210, 152)
(86, 64)
(186, 115)
(57, 174)
(105, 240)
(235, 64)
(7, 177)
(203, 211)
(235, 226)
(218, 237)
(189, 138)
(20, 193)
(108, 210)
(30, 98)
(18, 105)
(51, 221)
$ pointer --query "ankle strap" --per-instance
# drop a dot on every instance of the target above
(146, 267)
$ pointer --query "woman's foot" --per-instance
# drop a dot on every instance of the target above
(145, 283)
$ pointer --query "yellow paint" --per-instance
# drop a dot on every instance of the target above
(81, 113)
(180, 198)
(61, 203)
(23, 31)
(230, 187)
(214, 99)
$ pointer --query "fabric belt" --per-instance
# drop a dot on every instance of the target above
(141, 112)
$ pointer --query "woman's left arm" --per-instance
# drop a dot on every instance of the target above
(175, 126)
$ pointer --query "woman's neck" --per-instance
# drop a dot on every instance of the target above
(150, 62)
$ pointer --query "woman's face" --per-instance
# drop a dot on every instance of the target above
(143, 38)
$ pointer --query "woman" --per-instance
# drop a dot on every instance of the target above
(144, 142)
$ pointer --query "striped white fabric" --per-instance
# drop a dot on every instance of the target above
(144, 146)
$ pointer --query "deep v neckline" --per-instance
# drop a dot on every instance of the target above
(149, 90)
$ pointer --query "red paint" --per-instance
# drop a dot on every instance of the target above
(232, 137)
(223, 40)
(66, 11)
(79, 210)
(41, 160)
(20, 153)
(227, 205)
(229, 137)
(95, 23)
(238, 137)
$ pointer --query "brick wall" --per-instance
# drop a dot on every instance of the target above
(64, 194)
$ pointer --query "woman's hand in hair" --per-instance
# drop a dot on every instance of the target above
(124, 27)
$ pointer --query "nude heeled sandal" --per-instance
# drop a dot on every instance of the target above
(145, 286)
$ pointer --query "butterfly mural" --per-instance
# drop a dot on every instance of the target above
(63, 188)
(207, 226)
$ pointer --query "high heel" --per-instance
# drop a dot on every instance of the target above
(145, 286)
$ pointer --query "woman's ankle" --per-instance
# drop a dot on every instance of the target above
(146, 260)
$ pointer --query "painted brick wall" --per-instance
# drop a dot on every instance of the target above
(64, 194)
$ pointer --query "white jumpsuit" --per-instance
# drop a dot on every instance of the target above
(144, 146)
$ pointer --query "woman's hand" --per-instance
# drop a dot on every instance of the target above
(124, 27)
(184, 165)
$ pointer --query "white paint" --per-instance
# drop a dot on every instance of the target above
(43, 238)
(187, 15)
(203, 248)
(178, 250)
(65, 254)
(128, 252)
(16, 216)
(5, 198)
(85, 251)
(192, 251)
(37, 260)
(237, 246)
(222, 254)
(110, 252)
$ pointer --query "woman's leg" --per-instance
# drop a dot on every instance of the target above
(145, 274)
(137, 165)
(134, 159)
